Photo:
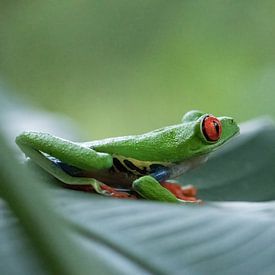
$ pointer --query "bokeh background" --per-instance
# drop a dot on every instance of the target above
(125, 67)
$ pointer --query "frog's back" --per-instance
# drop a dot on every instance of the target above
(158, 145)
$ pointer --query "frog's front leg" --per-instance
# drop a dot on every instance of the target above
(149, 188)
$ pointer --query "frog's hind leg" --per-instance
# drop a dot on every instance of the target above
(66, 151)
(35, 145)
(79, 183)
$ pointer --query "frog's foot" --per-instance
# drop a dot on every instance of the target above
(113, 192)
(103, 189)
(185, 193)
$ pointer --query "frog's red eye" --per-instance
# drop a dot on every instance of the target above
(211, 128)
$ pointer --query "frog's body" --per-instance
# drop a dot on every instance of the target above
(125, 170)
(138, 162)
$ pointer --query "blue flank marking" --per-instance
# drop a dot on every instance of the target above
(161, 174)
(69, 169)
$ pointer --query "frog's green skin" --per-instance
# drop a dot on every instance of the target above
(137, 162)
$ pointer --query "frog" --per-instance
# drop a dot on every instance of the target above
(141, 166)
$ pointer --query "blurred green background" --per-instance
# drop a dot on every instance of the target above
(125, 67)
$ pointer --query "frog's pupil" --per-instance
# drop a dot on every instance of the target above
(217, 127)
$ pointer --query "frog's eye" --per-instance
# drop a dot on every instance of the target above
(211, 128)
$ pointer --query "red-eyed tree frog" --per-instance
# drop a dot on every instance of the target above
(133, 166)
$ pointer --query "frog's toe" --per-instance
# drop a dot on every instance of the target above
(117, 194)
(185, 193)
(189, 190)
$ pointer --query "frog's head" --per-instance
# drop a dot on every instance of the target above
(207, 132)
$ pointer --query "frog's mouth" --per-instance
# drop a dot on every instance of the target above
(229, 129)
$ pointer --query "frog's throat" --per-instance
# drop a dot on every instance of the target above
(179, 169)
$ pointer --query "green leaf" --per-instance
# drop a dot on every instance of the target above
(215, 238)
(54, 230)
